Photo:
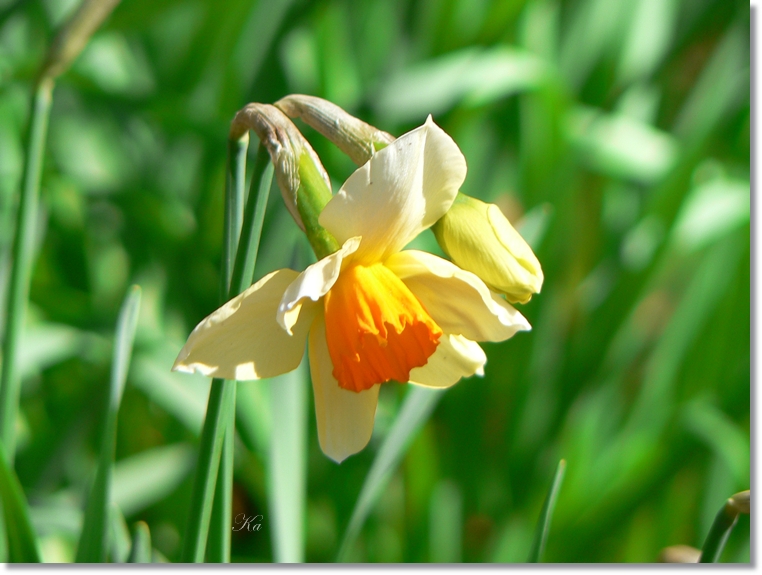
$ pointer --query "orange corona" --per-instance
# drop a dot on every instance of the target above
(376, 329)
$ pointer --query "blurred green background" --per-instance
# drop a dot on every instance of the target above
(615, 134)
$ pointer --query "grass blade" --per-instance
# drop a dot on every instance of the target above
(418, 405)
(543, 526)
(141, 544)
(287, 465)
(21, 271)
(93, 541)
(723, 524)
(22, 542)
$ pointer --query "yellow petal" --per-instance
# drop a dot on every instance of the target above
(344, 418)
(313, 283)
(455, 357)
(242, 340)
(480, 239)
(457, 300)
(402, 190)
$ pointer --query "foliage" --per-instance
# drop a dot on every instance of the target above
(615, 134)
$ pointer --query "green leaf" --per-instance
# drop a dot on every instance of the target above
(22, 542)
(141, 544)
(543, 525)
(474, 76)
(287, 464)
(93, 542)
(148, 477)
(418, 405)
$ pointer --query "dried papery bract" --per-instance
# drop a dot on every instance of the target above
(303, 181)
(354, 137)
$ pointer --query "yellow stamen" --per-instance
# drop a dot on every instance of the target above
(376, 328)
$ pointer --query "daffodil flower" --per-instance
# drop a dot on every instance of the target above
(371, 312)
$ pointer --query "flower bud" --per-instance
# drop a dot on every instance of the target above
(354, 137)
(302, 180)
(480, 239)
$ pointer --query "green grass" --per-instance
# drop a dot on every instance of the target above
(616, 136)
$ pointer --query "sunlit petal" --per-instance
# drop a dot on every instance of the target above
(457, 300)
(402, 190)
(344, 418)
(455, 357)
(313, 283)
(242, 339)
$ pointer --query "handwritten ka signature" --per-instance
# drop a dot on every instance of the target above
(245, 522)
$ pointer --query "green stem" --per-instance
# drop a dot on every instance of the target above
(719, 533)
(218, 545)
(21, 270)
(220, 418)
(221, 396)
(253, 220)
(235, 185)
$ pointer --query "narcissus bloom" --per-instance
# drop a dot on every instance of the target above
(371, 312)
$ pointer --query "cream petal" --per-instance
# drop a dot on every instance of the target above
(455, 357)
(344, 418)
(313, 283)
(402, 190)
(458, 300)
(242, 340)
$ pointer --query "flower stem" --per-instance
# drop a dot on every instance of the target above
(215, 462)
(221, 398)
(21, 270)
(722, 526)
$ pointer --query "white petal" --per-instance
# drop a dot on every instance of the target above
(457, 300)
(313, 283)
(402, 190)
(344, 418)
(242, 339)
(455, 357)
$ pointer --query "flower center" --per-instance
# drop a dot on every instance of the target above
(376, 328)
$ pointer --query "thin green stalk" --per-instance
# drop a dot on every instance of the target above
(212, 435)
(543, 525)
(218, 544)
(22, 541)
(21, 270)
(253, 219)
(221, 408)
(235, 185)
(93, 541)
(243, 271)
(723, 524)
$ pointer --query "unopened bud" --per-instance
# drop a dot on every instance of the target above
(302, 180)
(354, 137)
(679, 554)
(480, 239)
(741, 502)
